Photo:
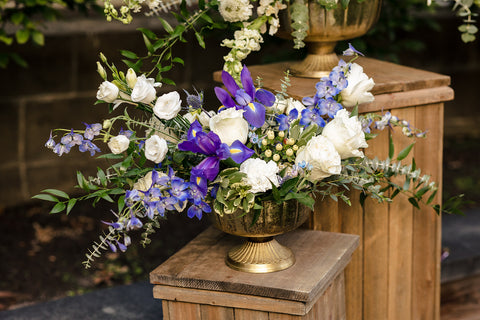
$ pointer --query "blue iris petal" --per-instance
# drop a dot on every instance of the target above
(239, 152)
(255, 114)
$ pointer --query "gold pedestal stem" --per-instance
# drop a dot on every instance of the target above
(319, 61)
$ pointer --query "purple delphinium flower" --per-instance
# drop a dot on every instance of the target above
(284, 120)
(50, 144)
(329, 107)
(326, 89)
(338, 79)
(92, 130)
(351, 51)
(88, 145)
(197, 210)
(126, 133)
(312, 116)
(252, 101)
(60, 149)
(71, 139)
(179, 189)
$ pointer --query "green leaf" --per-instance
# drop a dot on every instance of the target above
(178, 60)
(275, 193)
(200, 40)
(111, 156)
(70, 205)
(38, 38)
(46, 197)
(432, 196)
(206, 18)
(148, 44)
(102, 177)
(148, 33)
(57, 193)
(168, 81)
(166, 25)
(404, 153)
(391, 147)
(22, 35)
(59, 207)
(18, 60)
(82, 182)
(355, 109)
(121, 203)
(128, 54)
(17, 17)
(467, 37)
(414, 202)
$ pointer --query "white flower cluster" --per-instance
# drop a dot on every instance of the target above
(270, 8)
(245, 41)
(235, 10)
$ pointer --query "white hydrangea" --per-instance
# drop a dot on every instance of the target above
(235, 10)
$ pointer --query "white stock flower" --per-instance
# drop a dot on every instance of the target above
(107, 92)
(346, 134)
(260, 174)
(118, 144)
(155, 149)
(168, 105)
(320, 154)
(235, 10)
(230, 125)
(144, 90)
(359, 85)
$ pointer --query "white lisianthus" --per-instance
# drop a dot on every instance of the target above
(230, 125)
(168, 105)
(260, 174)
(118, 144)
(131, 78)
(346, 134)
(320, 154)
(107, 92)
(155, 149)
(235, 10)
(203, 117)
(359, 85)
(144, 90)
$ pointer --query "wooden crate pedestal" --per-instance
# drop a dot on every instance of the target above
(395, 273)
(195, 283)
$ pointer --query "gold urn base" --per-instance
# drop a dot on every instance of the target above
(260, 255)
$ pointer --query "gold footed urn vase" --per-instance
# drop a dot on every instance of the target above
(325, 28)
(260, 252)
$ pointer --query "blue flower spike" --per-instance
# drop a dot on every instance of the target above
(351, 51)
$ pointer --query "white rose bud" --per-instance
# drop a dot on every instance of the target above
(320, 153)
(107, 92)
(131, 78)
(230, 125)
(106, 124)
(144, 90)
(101, 71)
(359, 85)
(346, 134)
(168, 105)
(156, 149)
(118, 144)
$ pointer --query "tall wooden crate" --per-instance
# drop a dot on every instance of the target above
(395, 272)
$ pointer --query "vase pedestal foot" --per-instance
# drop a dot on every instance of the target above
(260, 255)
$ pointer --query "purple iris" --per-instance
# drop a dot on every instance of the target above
(312, 117)
(245, 98)
(284, 121)
(329, 107)
(210, 145)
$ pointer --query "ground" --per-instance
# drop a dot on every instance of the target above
(42, 253)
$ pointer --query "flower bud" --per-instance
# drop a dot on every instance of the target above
(281, 134)
(131, 78)
(268, 153)
(279, 147)
(107, 124)
(101, 71)
(295, 147)
(290, 141)
(103, 58)
(276, 157)
(270, 134)
(264, 142)
(289, 152)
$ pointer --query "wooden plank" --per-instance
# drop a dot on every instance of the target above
(325, 216)
(215, 312)
(324, 253)
(183, 310)
(226, 299)
(352, 223)
(400, 235)
(461, 299)
(375, 244)
(165, 309)
(426, 223)
(245, 314)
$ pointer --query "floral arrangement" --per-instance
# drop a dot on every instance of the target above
(258, 146)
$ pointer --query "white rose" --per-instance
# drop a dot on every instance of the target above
(260, 174)
(144, 90)
(320, 153)
(294, 104)
(168, 105)
(346, 134)
(359, 85)
(156, 148)
(230, 125)
(118, 144)
(107, 92)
